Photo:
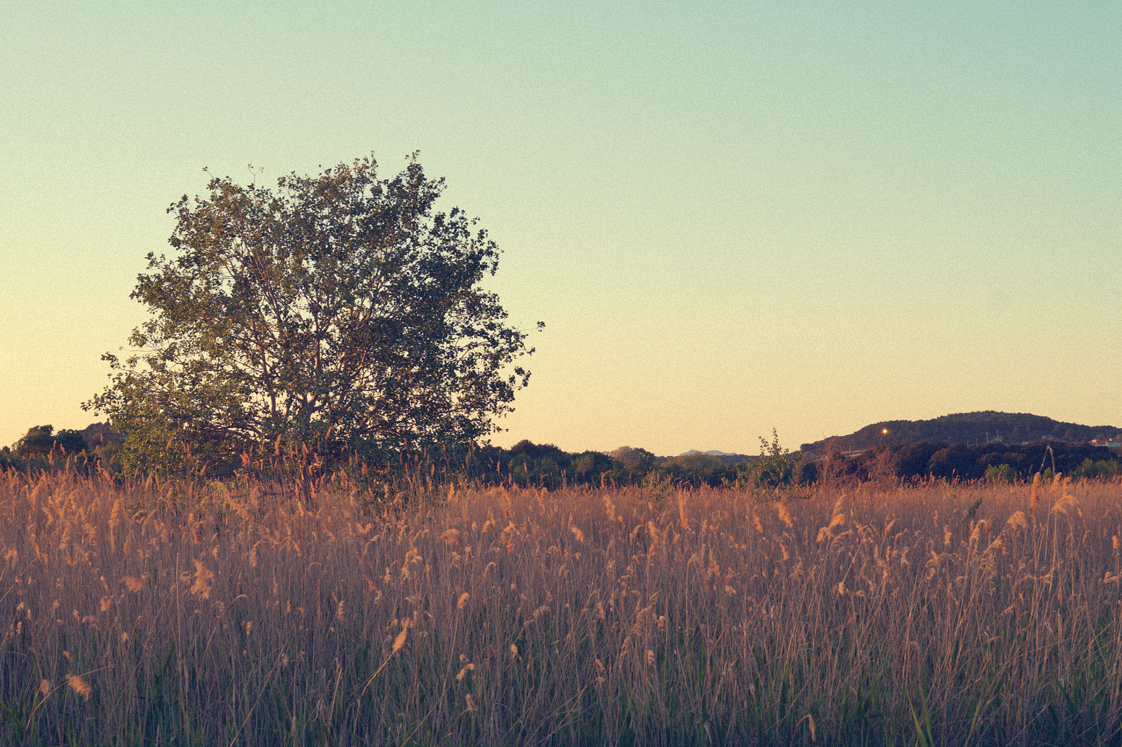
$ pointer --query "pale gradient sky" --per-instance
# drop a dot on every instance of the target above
(731, 216)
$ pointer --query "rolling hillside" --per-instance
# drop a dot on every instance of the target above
(967, 428)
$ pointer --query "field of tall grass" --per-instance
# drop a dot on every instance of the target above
(228, 613)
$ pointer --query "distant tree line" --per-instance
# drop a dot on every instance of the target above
(41, 447)
(545, 465)
(530, 464)
(527, 464)
(941, 460)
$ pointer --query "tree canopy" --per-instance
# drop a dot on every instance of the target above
(40, 440)
(338, 312)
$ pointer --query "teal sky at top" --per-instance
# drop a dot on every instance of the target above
(731, 216)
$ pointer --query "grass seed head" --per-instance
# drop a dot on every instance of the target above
(78, 685)
(400, 640)
(203, 578)
(785, 515)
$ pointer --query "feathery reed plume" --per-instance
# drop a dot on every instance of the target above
(203, 578)
(784, 514)
(1067, 500)
(78, 685)
(827, 532)
(1035, 499)
(132, 583)
(400, 640)
(398, 643)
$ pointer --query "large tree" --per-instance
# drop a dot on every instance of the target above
(337, 313)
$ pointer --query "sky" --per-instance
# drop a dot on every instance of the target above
(732, 217)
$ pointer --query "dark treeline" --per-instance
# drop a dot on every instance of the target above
(545, 465)
(527, 464)
(43, 448)
(947, 461)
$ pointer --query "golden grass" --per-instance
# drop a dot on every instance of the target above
(229, 613)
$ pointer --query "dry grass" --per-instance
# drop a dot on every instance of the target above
(221, 614)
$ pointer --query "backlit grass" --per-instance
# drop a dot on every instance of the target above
(229, 614)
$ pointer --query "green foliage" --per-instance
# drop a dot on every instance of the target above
(339, 313)
(773, 468)
(638, 458)
(1001, 473)
(1102, 469)
(40, 440)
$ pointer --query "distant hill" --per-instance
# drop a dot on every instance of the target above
(967, 428)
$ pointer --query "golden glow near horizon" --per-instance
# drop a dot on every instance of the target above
(730, 217)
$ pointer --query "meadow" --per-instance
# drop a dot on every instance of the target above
(230, 614)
